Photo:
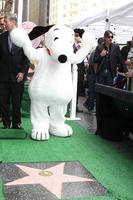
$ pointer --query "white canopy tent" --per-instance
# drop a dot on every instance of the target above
(119, 20)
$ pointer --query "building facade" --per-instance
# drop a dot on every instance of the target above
(36, 11)
(68, 11)
(43, 12)
(2, 5)
(63, 11)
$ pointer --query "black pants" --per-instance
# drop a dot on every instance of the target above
(80, 86)
(11, 93)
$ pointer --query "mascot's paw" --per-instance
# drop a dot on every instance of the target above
(62, 131)
(19, 37)
(40, 135)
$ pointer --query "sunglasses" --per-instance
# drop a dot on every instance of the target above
(110, 37)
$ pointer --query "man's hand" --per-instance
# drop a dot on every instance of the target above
(104, 53)
(128, 62)
(20, 77)
(129, 74)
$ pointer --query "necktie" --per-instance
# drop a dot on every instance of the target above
(9, 43)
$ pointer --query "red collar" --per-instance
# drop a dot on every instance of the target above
(49, 52)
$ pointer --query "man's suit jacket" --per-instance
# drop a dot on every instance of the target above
(11, 62)
(115, 59)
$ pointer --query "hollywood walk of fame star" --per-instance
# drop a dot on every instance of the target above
(50, 178)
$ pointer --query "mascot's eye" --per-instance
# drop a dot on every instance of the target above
(56, 38)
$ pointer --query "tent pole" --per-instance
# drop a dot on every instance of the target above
(107, 20)
(74, 99)
(107, 27)
(20, 11)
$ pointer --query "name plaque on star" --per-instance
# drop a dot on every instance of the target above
(50, 180)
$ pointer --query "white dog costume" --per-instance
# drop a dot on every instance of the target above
(51, 88)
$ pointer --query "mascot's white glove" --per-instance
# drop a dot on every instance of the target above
(19, 37)
(88, 43)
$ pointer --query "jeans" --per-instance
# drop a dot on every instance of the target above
(105, 78)
(89, 103)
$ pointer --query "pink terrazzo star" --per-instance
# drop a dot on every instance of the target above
(51, 178)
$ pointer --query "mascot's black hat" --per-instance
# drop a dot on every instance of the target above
(38, 31)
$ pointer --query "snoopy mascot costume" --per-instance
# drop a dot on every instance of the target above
(51, 87)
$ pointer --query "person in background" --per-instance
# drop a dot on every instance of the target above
(127, 54)
(81, 67)
(91, 78)
(2, 24)
(108, 59)
(13, 70)
(2, 29)
(125, 50)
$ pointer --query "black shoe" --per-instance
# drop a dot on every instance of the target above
(6, 126)
(98, 132)
(91, 111)
(0, 119)
(16, 126)
(78, 110)
(85, 105)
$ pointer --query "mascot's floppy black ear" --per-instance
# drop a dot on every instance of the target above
(38, 30)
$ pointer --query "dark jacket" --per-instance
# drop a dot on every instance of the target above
(11, 63)
(124, 52)
(115, 59)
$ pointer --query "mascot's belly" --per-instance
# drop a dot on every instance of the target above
(51, 89)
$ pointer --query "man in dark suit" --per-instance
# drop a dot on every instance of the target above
(13, 69)
(2, 29)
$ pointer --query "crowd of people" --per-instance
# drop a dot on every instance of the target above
(104, 65)
(107, 64)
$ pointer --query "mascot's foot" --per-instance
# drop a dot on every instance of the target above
(40, 135)
(62, 131)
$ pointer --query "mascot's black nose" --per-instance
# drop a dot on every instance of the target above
(62, 58)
